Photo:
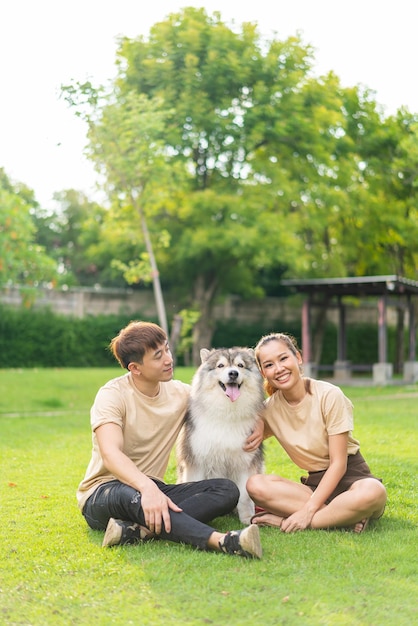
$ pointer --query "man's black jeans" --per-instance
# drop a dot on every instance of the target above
(201, 502)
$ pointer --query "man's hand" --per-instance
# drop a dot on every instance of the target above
(156, 506)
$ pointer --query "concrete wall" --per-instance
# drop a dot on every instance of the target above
(79, 302)
(82, 301)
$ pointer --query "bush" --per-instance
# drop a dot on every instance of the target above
(362, 343)
(40, 338)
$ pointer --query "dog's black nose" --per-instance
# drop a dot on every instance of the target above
(233, 374)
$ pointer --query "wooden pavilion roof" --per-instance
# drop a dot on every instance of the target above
(355, 286)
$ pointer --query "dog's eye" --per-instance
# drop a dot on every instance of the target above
(221, 365)
(240, 364)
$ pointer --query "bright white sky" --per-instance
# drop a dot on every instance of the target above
(47, 43)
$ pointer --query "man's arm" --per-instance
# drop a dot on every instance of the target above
(154, 503)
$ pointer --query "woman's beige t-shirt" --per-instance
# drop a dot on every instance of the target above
(303, 429)
(150, 428)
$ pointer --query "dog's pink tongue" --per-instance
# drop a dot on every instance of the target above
(232, 391)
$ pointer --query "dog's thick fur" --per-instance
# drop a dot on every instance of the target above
(226, 401)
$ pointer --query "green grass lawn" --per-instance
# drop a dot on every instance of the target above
(54, 571)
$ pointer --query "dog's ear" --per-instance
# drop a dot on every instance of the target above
(204, 354)
(251, 351)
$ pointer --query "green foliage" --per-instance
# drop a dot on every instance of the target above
(39, 338)
(362, 344)
(55, 573)
(250, 164)
(70, 235)
(189, 319)
(362, 340)
(22, 260)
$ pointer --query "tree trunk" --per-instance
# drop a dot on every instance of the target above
(158, 294)
(175, 335)
(203, 330)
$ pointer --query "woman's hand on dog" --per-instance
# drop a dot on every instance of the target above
(255, 439)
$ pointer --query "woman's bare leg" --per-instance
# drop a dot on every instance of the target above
(365, 499)
(277, 495)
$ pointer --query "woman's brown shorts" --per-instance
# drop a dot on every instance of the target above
(357, 469)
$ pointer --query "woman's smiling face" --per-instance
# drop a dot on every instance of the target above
(280, 366)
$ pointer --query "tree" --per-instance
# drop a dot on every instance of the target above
(240, 160)
(22, 261)
(251, 127)
(71, 234)
(390, 168)
(124, 143)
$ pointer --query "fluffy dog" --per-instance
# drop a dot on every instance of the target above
(226, 401)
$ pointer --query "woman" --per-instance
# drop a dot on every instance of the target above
(312, 420)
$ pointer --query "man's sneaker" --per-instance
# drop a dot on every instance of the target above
(244, 542)
(120, 533)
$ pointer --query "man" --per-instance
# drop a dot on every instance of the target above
(135, 421)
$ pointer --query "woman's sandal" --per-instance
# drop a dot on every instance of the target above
(275, 521)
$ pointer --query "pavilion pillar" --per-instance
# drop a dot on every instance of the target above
(342, 369)
(382, 371)
(309, 368)
(410, 368)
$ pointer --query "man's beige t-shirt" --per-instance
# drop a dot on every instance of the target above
(303, 429)
(150, 428)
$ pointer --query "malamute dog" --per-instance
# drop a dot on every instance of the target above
(226, 401)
